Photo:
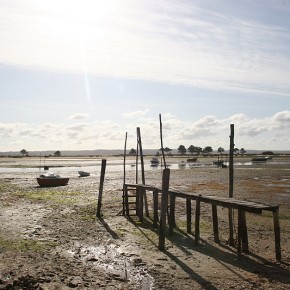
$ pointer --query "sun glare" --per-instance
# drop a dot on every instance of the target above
(76, 27)
(67, 18)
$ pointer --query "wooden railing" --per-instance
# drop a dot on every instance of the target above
(168, 198)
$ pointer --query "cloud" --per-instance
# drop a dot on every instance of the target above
(270, 132)
(187, 44)
(255, 127)
(78, 127)
(282, 117)
(32, 133)
(78, 116)
(135, 114)
(6, 129)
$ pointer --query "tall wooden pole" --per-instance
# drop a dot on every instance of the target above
(231, 184)
(124, 174)
(231, 163)
(124, 164)
(142, 168)
(137, 157)
(161, 139)
(141, 154)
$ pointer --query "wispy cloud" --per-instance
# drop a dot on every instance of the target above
(169, 41)
(78, 116)
(135, 114)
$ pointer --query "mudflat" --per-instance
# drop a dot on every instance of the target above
(50, 238)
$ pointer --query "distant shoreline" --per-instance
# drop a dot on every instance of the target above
(118, 152)
(121, 155)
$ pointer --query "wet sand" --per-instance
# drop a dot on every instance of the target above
(51, 239)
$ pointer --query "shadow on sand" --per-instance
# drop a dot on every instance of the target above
(225, 255)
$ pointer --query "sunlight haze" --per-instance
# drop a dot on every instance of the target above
(78, 75)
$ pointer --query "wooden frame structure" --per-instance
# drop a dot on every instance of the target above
(214, 201)
(136, 194)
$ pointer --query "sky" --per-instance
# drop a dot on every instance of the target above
(78, 75)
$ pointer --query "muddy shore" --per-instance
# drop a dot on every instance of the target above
(50, 238)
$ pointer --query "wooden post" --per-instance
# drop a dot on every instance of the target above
(231, 184)
(141, 154)
(138, 201)
(245, 244)
(242, 232)
(142, 192)
(155, 207)
(142, 169)
(239, 230)
(197, 220)
(124, 163)
(231, 162)
(161, 139)
(164, 204)
(215, 223)
(137, 157)
(277, 234)
(171, 221)
(125, 191)
(188, 215)
(126, 201)
(103, 170)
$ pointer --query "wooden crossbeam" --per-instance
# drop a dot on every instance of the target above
(242, 206)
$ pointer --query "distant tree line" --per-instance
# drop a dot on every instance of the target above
(193, 150)
(206, 150)
(25, 153)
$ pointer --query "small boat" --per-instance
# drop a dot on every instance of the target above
(218, 162)
(84, 173)
(260, 159)
(189, 160)
(154, 161)
(51, 179)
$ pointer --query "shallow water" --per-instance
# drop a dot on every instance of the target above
(66, 165)
(111, 259)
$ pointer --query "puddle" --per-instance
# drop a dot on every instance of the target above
(111, 259)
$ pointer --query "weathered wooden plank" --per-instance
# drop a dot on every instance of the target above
(249, 206)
